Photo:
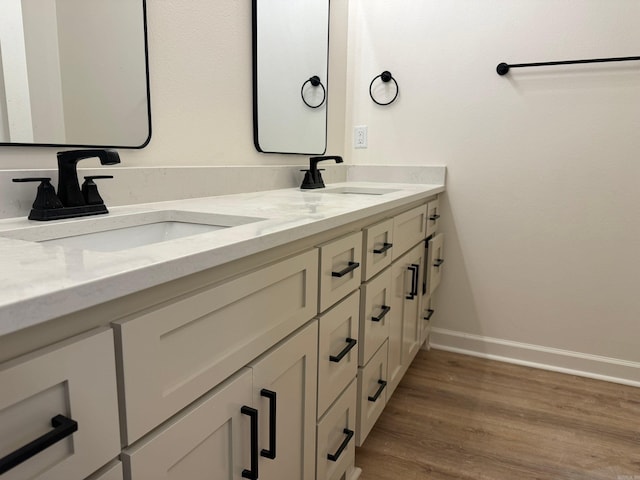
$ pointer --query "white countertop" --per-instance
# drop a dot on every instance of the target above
(42, 281)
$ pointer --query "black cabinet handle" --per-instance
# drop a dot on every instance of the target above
(385, 246)
(434, 217)
(430, 313)
(438, 262)
(253, 414)
(334, 457)
(271, 451)
(381, 388)
(412, 269)
(415, 273)
(351, 342)
(352, 266)
(62, 428)
(385, 309)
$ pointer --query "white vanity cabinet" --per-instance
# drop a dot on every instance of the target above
(66, 391)
(273, 366)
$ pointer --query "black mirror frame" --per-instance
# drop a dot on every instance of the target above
(254, 51)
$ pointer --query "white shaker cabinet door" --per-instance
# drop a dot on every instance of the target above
(404, 328)
(210, 439)
(284, 392)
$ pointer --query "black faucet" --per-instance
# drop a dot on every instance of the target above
(70, 200)
(69, 191)
(313, 177)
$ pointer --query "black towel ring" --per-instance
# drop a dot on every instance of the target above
(385, 77)
(315, 82)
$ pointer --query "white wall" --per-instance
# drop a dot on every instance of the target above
(543, 166)
(201, 92)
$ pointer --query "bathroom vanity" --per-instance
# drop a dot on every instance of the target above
(265, 348)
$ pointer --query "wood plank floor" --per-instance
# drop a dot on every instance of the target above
(460, 417)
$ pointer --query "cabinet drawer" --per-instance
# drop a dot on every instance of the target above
(428, 311)
(113, 472)
(433, 216)
(372, 393)
(340, 273)
(378, 247)
(409, 228)
(435, 264)
(336, 445)
(375, 313)
(337, 350)
(210, 439)
(175, 353)
(76, 380)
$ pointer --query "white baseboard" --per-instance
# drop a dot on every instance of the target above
(536, 356)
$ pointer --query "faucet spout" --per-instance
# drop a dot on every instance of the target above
(69, 191)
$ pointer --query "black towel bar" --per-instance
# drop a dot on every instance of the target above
(503, 68)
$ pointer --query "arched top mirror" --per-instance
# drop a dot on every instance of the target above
(74, 73)
(290, 66)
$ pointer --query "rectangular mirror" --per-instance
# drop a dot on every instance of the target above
(290, 63)
(74, 73)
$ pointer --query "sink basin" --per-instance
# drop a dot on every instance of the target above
(356, 190)
(115, 233)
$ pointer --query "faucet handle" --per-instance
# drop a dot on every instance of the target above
(46, 197)
(90, 189)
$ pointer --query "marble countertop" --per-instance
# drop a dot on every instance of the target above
(44, 281)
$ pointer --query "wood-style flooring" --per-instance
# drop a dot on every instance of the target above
(457, 417)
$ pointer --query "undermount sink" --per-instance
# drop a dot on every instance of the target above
(115, 233)
(357, 190)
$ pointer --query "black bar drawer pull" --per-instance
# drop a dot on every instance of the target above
(438, 262)
(415, 273)
(412, 269)
(271, 451)
(253, 414)
(385, 246)
(349, 435)
(434, 217)
(352, 266)
(385, 309)
(430, 313)
(351, 342)
(62, 428)
(382, 386)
